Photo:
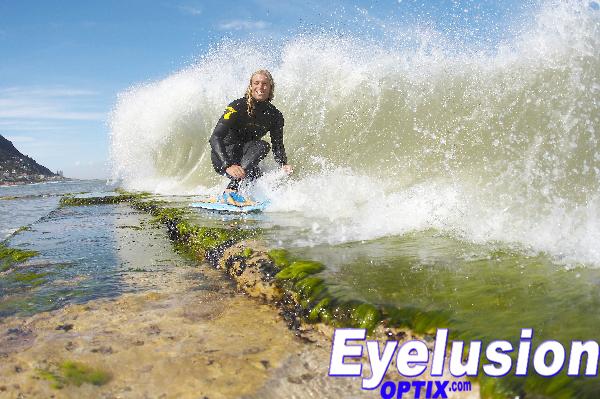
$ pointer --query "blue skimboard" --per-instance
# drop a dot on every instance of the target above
(221, 207)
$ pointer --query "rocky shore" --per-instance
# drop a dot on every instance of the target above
(236, 320)
(16, 168)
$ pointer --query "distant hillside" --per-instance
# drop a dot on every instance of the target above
(18, 168)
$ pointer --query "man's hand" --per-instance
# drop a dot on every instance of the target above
(236, 171)
(287, 169)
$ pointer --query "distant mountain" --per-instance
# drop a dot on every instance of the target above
(18, 168)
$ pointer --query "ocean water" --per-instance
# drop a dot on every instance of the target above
(22, 205)
(84, 253)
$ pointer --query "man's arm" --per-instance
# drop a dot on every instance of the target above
(277, 143)
(226, 122)
(218, 145)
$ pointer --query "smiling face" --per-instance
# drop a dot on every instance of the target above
(260, 86)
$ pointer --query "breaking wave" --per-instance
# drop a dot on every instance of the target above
(499, 144)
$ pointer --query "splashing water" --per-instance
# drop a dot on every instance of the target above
(496, 145)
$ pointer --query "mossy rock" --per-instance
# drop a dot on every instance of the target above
(299, 269)
(247, 252)
(342, 312)
(77, 373)
(197, 239)
(201, 239)
(33, 279)
(106, 200)
(420, 321)
(280, 257)
(164, 215)
(74, 373)
(22, 229)
(321, 311)
(28, 277)
(12, 256)
(366, 316)
(428, 322)
(310, 287)
(491, 388)
(557, 387)
(55, 380)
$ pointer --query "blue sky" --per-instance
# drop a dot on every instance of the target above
(64, 62)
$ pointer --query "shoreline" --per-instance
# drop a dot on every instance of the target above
(6, 183)
(219, 327)
(292, 288)
(285, 285)
(188, 332)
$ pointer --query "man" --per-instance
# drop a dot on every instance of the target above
(236, 143)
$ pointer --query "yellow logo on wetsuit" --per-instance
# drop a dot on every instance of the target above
(228, 112)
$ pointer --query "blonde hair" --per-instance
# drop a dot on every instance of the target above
(249, 99)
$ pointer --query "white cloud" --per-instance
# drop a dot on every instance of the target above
(33, 112)
(41, 126)
(191, 10)
(238, 24)
(20, 104)
(58, 91)
(20, 139)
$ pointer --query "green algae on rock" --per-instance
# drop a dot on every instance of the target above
(320, 312)
(21, 229)
(197, 239)
(74, 373)
(32, 279)
(121, 196)
(280, 257)
(68, 200)
(310, 288)
(247, 252)
(366, 316)
(299, 269)
(12, 256)
(55, 380)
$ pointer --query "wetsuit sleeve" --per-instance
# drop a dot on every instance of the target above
(227, 121)
(277, 142)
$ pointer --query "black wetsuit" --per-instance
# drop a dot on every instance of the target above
(236, 139)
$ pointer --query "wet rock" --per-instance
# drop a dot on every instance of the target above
(15, 339)
(105, 350)
(153, 330)
(395, 335)
(295, 379)
(65, 327)
(252, 351)
(147, 369)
